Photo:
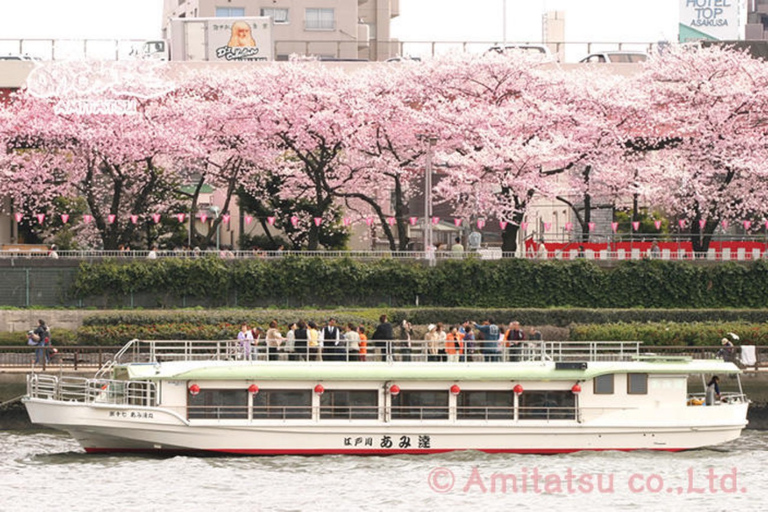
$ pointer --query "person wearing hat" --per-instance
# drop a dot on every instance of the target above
(432, 338)
(726, 351)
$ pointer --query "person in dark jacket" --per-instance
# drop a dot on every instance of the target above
(300, 344)
(384, 336)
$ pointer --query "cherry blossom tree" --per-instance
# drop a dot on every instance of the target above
(706, 121)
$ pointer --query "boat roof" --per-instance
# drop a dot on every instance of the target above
(424, 371)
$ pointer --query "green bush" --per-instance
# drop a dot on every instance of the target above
(668, 333)
(507, 283)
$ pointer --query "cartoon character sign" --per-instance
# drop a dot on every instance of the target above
(241, 45)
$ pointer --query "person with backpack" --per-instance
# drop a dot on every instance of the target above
(42, 334)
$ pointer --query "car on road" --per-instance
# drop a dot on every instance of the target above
(528, 49)
(614, 57)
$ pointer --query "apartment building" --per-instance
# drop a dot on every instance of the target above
(330, 29)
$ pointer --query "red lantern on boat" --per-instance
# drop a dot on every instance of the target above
(518, 389)
(455, 389)
(319, 389)
(394, 390)
(194, 390)
(576, 389)
(253, 389)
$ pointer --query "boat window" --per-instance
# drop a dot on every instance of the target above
(343, 404)
(282, 404)
(420, 405)
(637, 383)
(218, 404)
(547, 405)
(485, 405)
(604, 385)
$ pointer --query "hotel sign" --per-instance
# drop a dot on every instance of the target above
(710, 19)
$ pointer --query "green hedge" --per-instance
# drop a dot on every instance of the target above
(507, 283)
(559, 317)
(667, 333)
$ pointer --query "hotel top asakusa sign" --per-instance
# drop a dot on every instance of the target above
(710, 19)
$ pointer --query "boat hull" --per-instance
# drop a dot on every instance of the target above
(110, 428)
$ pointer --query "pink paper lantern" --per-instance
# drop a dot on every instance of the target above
(725, 224)
(657, 223)
(523, 226)
(64, 218)
(369, 221)
(635, 225)
(413, 221)
(614, 226)
(457, 222)
(480, 223)
(347, 221)
(226, 218)
(134, 219)
(111, 218)
(318, 221)
(702, 223)
(503, 224)
(391, 221)
(203, 217)
(248, 220)
(568, 226)
(40, 217)
(547, 226)
(747, 225)
(271, 221)
(87, 218)
(18, 217)
(294, 221)
(591, 226)
(156, 217)
(681, 223)
(180, 217)
(435, 220)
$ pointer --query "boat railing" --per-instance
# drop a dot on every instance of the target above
(159, 351)
(726, 397)
(77, 389)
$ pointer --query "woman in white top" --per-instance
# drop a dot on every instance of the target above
(290, 341)
(352, 339)
(245, 340)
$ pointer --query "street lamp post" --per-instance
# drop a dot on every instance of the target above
(428, 245)
(504, 21)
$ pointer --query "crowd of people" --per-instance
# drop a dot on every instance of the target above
(308, 341)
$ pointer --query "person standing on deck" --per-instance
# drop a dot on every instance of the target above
(384, 335)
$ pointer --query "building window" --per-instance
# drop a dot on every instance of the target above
(349, 405)
(319, 19)
(637, 383)
(604, 385)
(281, 404)
(230, 12)
(278, 15)
(485, 405)
(420, 405)
(218, 404)
(547, 405)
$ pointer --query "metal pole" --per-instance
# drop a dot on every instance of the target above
(428, 197)
(504, 21)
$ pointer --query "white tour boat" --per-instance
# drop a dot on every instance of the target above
(202, 396)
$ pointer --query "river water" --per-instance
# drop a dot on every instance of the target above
(49, 471)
